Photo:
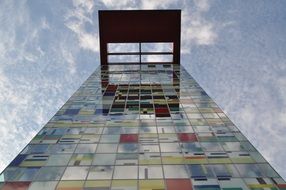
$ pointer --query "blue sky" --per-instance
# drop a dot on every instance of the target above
(234, 49)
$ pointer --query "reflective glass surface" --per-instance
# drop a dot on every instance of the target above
(148, 126)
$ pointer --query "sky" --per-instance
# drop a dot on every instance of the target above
(234, 49)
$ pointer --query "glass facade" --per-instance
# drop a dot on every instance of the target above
(147, 127)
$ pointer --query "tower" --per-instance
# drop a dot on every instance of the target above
(140, 121)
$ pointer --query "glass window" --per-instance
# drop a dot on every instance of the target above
(106, 148)
(257, 157)
(191, 147)
(175, 171)
(203, 184)
(187, 137)
(163, 129)
(150, 172)
(126, 159)
(125, 172)
(268, 170)
(170, 147)
(173, 184)
(147, 130)
(112, 130)
(149, 147)
(58, 159)
(224, 170)
(15, 185)
(123, 58)
(85, 148)
(157, 47)
(35, 149)
(43, 185)
(124, 184)
(233, 183)
(200, 171)
(122, 47)
(89, 138)
(248, 170)
(128, 138)
(75, 173)
(97, 184)
(81, 159)
(109, 139)
(100, 172)
(62, 148)
(19, 174)
(161, 58)
(151, 184)
(168, 137)
(66, 185)
(211, 146)
(127, 148)
(149, 158)
(104, 159)
(50, 173)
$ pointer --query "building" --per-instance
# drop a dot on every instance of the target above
(140, 121)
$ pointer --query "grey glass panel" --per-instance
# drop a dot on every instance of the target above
(211, 146)
(200, 171)
(100, 172)
(170, 147)
(58, 159)
(267, 170)
(50, 173)
(106, 148)
(19, 174)
(175, 171)
(191, 147)
(249, 170)
(127, 159)
(62, 148)
(85, 148)
(109, 138)
(75, 173)
(150, 172)
(224, 170)
(125, 172)
(128, 148)
(43, 185)
(104, 159)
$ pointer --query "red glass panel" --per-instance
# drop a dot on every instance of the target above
(178, 184)
(16, 186)
(129, 138)
(162, 112)
(187, 137)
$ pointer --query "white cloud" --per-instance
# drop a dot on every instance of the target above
(202, 5)
(156, 4)
(67, 55)
(76, 20)
(31, 88)
(196, 29)
(122, 4)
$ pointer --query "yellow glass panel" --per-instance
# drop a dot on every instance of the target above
(195, 160)
(70, 185)
(172, 160)
(260, 186)
(122, 184)
(98, 183)
(219, 160)
(151, 185)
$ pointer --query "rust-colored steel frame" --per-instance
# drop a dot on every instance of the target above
(139, 26)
